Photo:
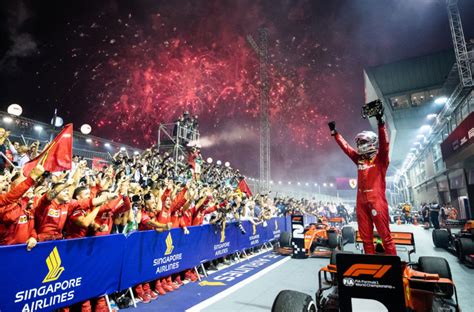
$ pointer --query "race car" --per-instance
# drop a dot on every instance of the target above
(398, 286)
(460, 243)
(320, 238)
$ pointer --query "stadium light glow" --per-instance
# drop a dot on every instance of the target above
(136, 153)
(315, 184)
(299, 183)
(325, 184)
(209, 160)
(306, 184)
(7, 119)
(441, 100)
(279, 182)
(227, 164)
(107, 145)
(86, 129)
(331, 185)
(15, 110)
(219, 162)
(425, 128)
(289, 182)
(38, 128)
(88, 140)
(431, 116)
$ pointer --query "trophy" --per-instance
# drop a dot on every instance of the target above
(372, 109)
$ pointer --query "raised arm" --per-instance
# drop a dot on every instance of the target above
(346, 148)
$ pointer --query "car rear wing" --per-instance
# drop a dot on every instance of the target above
(403, 241)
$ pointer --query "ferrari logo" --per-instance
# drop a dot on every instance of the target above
(54, 266)
(169, 245)
(353, 183)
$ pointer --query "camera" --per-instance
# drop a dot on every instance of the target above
(372, 109)
(135, 199)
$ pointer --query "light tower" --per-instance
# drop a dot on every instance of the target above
(262, 50)
(463, 60)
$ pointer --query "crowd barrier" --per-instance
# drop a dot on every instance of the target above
(60, 273)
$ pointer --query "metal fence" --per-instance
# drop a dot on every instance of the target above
(27, 131)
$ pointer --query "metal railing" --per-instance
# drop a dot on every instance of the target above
(26, 131)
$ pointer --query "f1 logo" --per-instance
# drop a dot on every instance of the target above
(375, 270)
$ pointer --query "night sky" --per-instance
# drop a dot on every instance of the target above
(126, 66)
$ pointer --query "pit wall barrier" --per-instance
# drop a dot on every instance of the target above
(60, 273)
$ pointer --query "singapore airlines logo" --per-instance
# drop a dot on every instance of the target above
(276, 225)
(169, 245)
(254, 228)
(54, 266)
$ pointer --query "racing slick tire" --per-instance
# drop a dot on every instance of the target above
(333, 239)
(466, 247)
(441, 238)
(437, 265)
(348, 234)
(293, 301)
(285, 239)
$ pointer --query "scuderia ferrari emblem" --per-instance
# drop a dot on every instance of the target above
(50, 294)
(353, 183)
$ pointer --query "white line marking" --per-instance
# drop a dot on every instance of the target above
(236, 287)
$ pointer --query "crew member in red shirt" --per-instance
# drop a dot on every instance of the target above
(55, 207)
(17, 218)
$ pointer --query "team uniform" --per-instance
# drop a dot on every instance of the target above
(372, 206)
(19, 222)
(51, 216)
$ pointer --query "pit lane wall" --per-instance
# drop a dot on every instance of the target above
(60, 273)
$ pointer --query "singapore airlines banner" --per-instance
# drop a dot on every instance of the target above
(60, 273)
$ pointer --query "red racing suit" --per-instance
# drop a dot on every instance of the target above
(371, 204)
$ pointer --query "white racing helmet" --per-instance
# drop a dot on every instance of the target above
(367, 142)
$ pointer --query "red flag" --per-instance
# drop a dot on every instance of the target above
(57, 156)
(98, 163)
(243, 187)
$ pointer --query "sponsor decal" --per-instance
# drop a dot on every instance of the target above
(54, 266)
(53, 213)
(169, 244)
(353, 183)
(169, 262)
(221, 248)
(375, 270)
(50, 294)
(374, 212)
(23, 219)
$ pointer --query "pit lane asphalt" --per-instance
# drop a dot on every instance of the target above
(301, 275)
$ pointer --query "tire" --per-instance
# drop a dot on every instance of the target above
(285, 239)
(293, 301)
(437, 265)
(348, 234)
(466, 247)
(333, 239)
(441, 239)
(332, 260)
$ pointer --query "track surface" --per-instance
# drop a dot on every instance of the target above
(257, 294)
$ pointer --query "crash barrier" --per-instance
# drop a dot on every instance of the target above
(60, 273)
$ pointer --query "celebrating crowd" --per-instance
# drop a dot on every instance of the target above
(147, 191)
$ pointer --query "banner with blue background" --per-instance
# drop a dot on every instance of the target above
(60, 273)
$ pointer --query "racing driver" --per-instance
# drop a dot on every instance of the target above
(372, 162)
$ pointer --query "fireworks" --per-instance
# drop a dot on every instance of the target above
(147, 72)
